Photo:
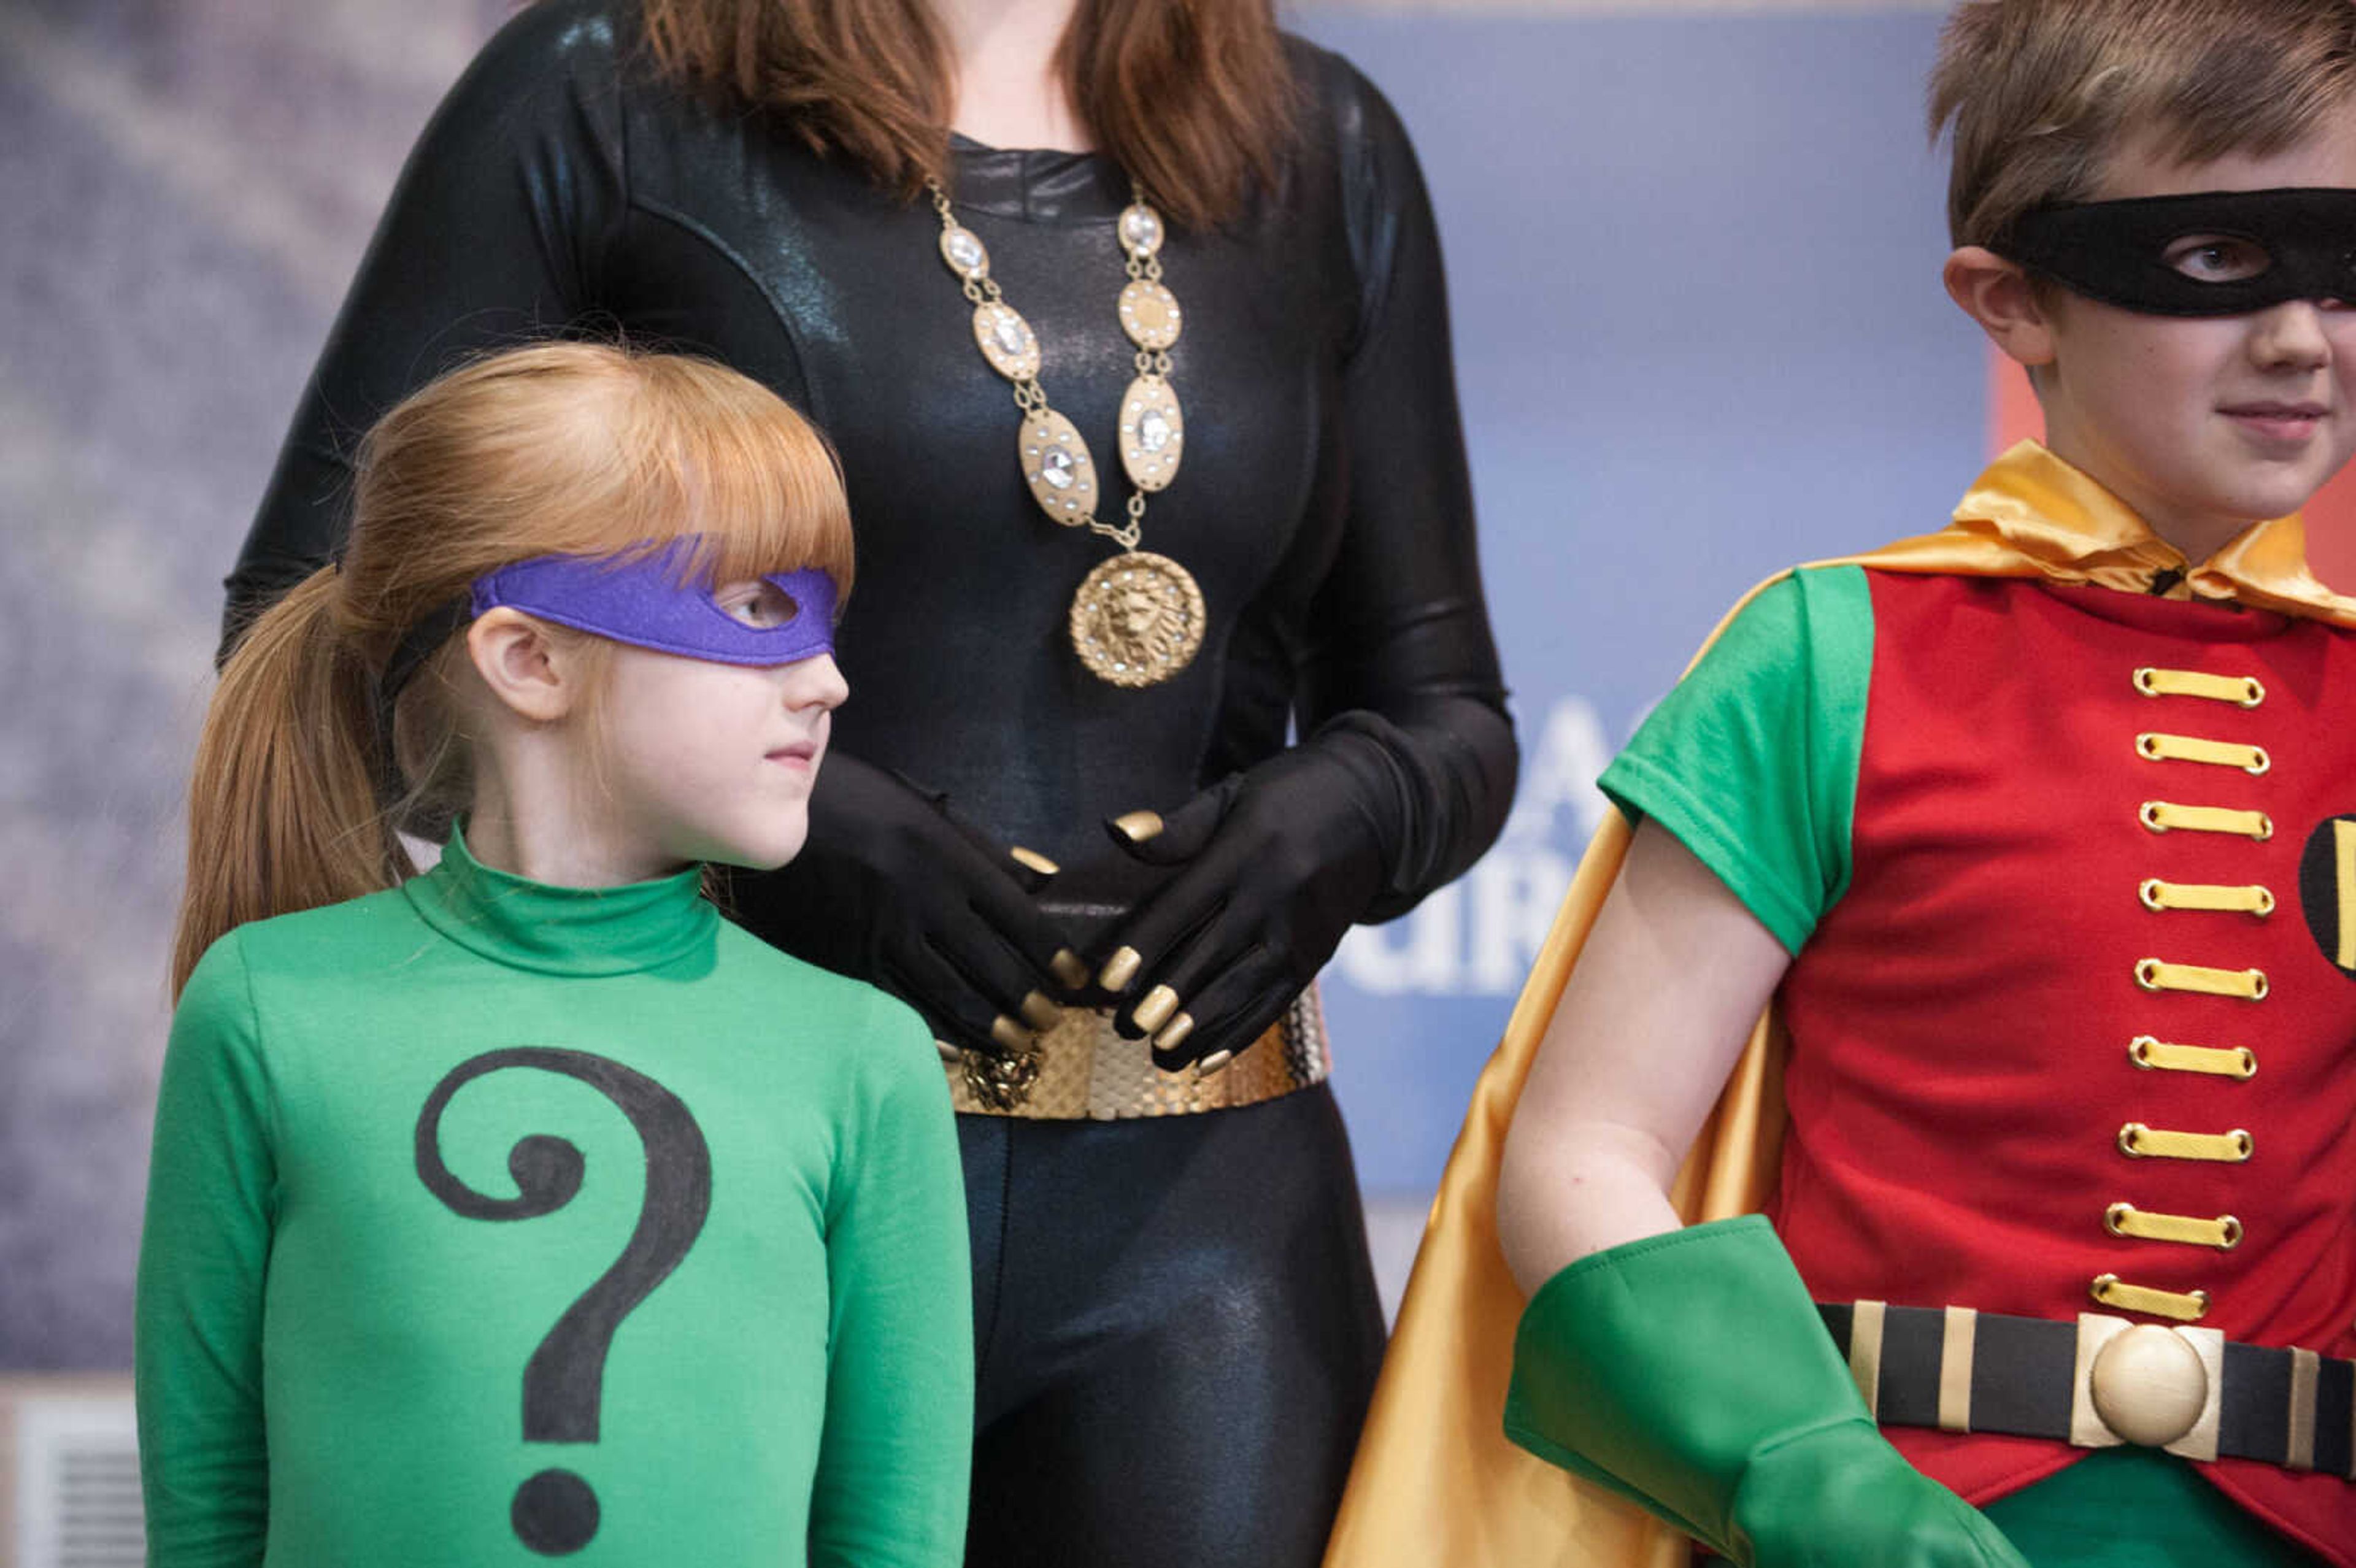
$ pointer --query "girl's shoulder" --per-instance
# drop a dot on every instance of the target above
(795, 989)
(302, 954)
(325, 939)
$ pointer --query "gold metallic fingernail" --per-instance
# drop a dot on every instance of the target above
(1215, 1063)
(1040, 1013)
(1068, 969)
(948, 1052)
(1175, 1035)
(1155, 1010)
(1010, 1034)
(1034, 860)
(1136, 827)
(1120, 969)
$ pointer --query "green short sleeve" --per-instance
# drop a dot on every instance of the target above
(1752, 760)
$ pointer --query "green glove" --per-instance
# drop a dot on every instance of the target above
(1691, 1373)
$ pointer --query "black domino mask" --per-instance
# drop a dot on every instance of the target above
(2304, 239)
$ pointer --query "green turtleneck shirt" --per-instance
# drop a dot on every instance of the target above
(479, 1179)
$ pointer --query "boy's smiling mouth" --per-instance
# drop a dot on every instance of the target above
(2278, 423)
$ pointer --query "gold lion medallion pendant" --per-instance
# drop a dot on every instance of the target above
(1138, 619)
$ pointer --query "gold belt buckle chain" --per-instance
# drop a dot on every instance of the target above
(1081, 1067)
(1001, 1081)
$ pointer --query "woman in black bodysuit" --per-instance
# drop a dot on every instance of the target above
(1177, 1330)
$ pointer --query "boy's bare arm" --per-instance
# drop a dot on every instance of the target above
(1652, 1021)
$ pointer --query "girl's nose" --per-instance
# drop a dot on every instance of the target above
(815, 682)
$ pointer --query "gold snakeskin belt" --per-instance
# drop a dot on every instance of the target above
(1083, 1069)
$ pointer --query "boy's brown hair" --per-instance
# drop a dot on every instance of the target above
(2041, 92)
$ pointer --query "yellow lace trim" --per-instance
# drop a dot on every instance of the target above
(2241, 690)
(2250, 899)
(2158, 974)
(2184, 1305)
(2137, 1141)
(2223, 1233)
(2156, 747)
(2234, 1062)
(2166, 817)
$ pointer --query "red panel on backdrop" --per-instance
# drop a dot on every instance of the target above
(2013, 414)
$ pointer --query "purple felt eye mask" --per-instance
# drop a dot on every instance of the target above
(640, 599)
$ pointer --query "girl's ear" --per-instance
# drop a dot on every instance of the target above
(2002, 297)
(524, 666)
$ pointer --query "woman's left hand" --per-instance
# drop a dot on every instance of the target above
(1272, 867)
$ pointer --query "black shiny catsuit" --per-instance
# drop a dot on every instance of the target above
(1178, 1332)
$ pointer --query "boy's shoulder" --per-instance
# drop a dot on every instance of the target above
(1794, 616)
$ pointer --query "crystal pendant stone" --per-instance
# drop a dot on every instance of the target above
(1006, 340)
(1141, 229)
(1056, 466)
(1152, 433)
(962, 248)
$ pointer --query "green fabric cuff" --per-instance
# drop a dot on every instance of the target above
(1657, 1368)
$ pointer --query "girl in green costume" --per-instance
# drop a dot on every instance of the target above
(528, 1208)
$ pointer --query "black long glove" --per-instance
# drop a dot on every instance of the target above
(893, 887)
(1276, 865)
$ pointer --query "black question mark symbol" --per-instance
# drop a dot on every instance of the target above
(554, 1511)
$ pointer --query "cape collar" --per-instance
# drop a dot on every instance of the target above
(2030, 514)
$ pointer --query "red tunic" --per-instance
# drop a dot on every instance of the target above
(1961, 1018)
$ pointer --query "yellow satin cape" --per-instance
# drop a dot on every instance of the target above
(1436, 1485)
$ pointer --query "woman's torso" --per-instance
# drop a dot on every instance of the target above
(698, 225)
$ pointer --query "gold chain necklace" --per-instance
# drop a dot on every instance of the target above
(1137, 618)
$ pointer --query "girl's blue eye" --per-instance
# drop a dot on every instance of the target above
(2217, 257)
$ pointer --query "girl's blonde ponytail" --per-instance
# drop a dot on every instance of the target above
(283, 810)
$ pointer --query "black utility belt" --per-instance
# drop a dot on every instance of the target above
(2099, 1381)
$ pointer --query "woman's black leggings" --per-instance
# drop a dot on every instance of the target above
(1176, 1333)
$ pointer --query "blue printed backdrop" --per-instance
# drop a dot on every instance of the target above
(1693, 251)
(1694, 266)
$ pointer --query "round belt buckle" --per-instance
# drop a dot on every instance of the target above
(2150, 1385)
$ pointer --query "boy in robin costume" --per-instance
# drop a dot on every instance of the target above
(2030, 847)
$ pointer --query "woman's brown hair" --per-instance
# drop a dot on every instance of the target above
(1192, 98)
(2042, 92)
(560, 449)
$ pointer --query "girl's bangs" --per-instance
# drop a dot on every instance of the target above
(748, 482)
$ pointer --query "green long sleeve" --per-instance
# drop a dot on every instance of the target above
(900, 1337)
(210, 1202)
(360, 1235)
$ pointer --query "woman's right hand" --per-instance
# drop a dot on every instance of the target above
(893, 887)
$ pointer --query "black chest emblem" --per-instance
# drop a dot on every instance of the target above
(555, 1511)
(2327, 889)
